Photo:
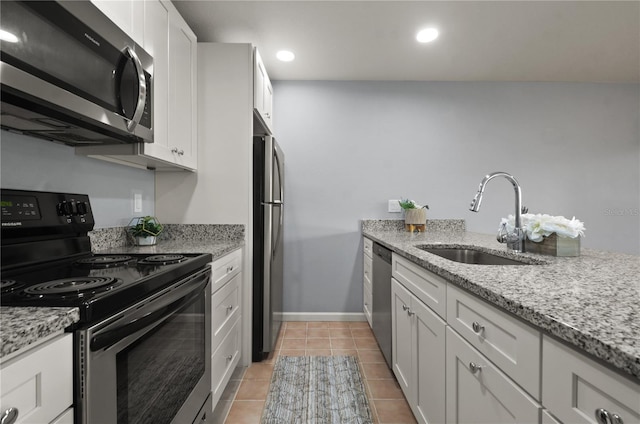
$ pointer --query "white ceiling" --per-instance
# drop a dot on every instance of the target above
(595, 41)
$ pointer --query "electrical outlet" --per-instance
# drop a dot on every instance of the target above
(394, 206)
(137, 202)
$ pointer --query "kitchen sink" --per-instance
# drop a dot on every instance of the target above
(471, 256)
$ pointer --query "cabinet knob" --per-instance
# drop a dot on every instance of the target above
(410, 312)
(179, 152)
(229, 269)
(477, 327)
(605, 417)
(474, 368)
(230, 357)
(230, 307)
(405, 308)
(9, 416)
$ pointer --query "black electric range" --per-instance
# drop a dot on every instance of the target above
(47, 259)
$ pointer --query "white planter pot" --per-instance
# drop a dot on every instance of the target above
(146, 241)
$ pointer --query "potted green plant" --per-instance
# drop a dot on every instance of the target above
(415, 216)
(144, 230)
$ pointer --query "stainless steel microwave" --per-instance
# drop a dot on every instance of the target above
(69, 74)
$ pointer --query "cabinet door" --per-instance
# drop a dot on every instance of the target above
(574, 387)
(126, 14)
(182, 92)
(478, 392)
(156, 43)
(262, 91)
(401, 338)
(428, 364)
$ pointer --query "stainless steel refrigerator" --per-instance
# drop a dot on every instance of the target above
(268, 206)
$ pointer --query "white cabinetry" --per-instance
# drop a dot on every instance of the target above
(510, 344)
(478, 392)
(41, 388)
(126, 14)
(576, 388)
(418, 352)
(367, 288)
(173, 46)
(226, 320)
(263, 93)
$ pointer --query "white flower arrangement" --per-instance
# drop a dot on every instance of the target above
(538, 226)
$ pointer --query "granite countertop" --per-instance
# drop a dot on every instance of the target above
(590, 301)
(216, 248)
(22, 326)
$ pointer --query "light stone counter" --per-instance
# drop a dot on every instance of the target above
(591, 301)
(22, 326)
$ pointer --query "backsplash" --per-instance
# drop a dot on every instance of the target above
(109, 238)
(453, 225)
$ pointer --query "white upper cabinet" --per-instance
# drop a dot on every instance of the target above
(262, 93)
(173, 46)
(127, 14)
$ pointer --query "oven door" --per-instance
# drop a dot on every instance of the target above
(151, 362)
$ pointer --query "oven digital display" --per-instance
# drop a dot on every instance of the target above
(20, 208)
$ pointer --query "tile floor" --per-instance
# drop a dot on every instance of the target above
(244, 398)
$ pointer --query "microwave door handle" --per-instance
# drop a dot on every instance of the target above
(142, 89)
(111, 337)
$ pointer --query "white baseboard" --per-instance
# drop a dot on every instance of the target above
(323, 316)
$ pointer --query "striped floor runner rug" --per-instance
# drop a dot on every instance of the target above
(316, 390)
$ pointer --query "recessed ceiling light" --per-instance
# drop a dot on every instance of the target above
(285, 55)
(427, 35)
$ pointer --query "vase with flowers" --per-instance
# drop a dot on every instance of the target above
(415, 215)
(549, 235)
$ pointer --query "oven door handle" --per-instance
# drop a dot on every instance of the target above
(111, 337)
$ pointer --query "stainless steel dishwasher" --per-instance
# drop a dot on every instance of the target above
(381, 294)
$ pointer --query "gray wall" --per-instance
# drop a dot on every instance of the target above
(32, 164)
(351, 146)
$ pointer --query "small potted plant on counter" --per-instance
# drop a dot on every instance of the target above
(144, 230)
(415, 216)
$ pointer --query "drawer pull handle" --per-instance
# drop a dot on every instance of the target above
(474, 368)
(477, 327)
(230, 357)
(604, 417)
(9, 416)
(229, 269)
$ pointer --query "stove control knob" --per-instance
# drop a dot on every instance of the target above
(65, 208)
(82, 208)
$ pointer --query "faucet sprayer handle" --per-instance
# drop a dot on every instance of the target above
(524, 209)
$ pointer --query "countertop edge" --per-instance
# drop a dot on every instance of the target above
(611, 356)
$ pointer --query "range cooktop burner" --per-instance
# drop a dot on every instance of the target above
(73, 287)
(8, 286)
(162, 260)
(105, 261)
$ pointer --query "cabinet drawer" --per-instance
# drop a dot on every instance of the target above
(367, 272)
(225, 307)
(224, 361)
(484, 395)
(426, 286)
(510, 344)
(41, 388)
(224, 268)
(574, 387)
(368, 247)
(367, 302)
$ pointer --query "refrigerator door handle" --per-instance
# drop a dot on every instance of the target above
(268, 255)
(279, 231)
(279, 165)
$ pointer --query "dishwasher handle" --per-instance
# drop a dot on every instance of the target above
(382, 252)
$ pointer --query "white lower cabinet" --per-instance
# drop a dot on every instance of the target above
(576, 389)
(478, 392)
(226, 320)
(367, 287)
(39, 383)
(418, 352)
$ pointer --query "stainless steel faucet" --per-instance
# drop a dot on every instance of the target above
(515, 239)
